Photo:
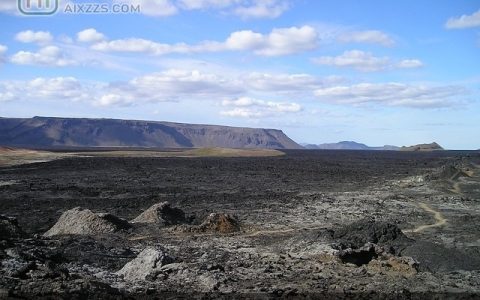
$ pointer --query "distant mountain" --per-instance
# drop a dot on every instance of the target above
(71, 132)
(423, 147)
(348, 145)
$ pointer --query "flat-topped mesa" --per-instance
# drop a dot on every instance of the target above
(45, 132)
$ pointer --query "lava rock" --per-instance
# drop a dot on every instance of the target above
(357, 234)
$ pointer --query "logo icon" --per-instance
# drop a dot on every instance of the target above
(38, 7)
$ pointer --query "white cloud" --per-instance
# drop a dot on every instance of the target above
(365, 61)
(393, 94)
(90, 35)
(262, 9)
(464, 21)
(170, 85)
(155, 8)
(38, 37)
(8, 7)
(410, 63)
(368, 37)
(57, 88)
(247, 107)
(280, 41)
(3, 50)
(289, 83)
(46, 56)
(356, 59)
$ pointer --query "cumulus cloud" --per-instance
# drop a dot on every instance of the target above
(47, 56)
(464, 21)
(356, 59)
(365, 61)
(368, 37)
(38, 37)
(288, 83)
(90, 35)
(280, 41)
(170, 85)
(393, 94)
(247, 107)
(57, 88)
(262, 9)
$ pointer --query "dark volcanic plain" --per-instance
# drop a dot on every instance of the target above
(414, 235)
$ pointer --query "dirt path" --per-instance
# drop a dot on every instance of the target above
(281, 231)
(439, 218)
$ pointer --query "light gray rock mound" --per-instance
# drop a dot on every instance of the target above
(85, 222)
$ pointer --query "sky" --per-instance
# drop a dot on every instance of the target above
(376, 72)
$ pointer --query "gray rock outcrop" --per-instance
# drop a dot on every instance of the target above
(146, 265)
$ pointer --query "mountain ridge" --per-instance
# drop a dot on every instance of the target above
(348, 145)
(106, 132)
(351, 145)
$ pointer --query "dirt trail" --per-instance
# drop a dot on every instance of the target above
(456, 181)
(439, 218)
(281, 231)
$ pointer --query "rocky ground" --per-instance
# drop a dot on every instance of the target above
(309, 224)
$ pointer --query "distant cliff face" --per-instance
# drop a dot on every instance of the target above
(48, 132)
(423, 147)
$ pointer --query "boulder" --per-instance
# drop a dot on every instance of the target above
(85, 222)
(146, 265)
(162, 214)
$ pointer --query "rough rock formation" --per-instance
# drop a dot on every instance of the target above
(218, 222)
(84, 221)
(48, 132)
(162, 214)
(146, 265)
(357, 234)
(9, 228)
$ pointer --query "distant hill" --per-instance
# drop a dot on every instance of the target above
(71, 132)
(423, 147)
(348, 145)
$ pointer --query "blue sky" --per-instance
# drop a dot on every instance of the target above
(377, 72)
